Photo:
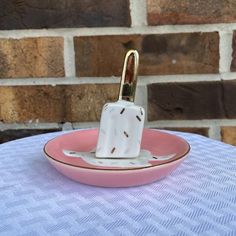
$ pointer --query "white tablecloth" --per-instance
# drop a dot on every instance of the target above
(198, 198)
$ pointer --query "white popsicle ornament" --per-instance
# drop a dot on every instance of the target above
(122, 122)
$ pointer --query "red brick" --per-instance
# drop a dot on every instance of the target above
(200, 131)
(25, 103)
(9, 135)
(168, 12)
(228, 134)
(31, 57)
(85, 102)
(35, 14)
(229, 98)
(187, 53)
(233, 63)
(195, 100)
(72, 103)
(185, 101)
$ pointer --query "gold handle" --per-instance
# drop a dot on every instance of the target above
(129, 76)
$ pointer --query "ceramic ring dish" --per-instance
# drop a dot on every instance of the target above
(120, 153)
(73, 154)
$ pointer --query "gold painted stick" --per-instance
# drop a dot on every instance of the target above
(129, 76)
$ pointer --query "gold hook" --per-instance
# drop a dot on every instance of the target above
(129, 76)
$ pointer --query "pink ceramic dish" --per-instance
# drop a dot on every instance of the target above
(163, 153)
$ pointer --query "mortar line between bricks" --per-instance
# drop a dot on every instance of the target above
(32, 125)
(142, 81)
(191, 123)
(67, 126)
(59, 81)
(215, 132)
(151, 124)
(71, 32)
(138, 12)
(69, 56)
(145, 80)
(226, 50)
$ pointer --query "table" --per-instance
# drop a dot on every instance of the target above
(198, 198)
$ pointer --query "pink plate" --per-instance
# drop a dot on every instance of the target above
(73, 155)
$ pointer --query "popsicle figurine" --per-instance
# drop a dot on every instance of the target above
(122, 122)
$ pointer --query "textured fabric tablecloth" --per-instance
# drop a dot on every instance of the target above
(198, 198)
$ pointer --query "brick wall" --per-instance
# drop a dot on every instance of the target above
(60, 61)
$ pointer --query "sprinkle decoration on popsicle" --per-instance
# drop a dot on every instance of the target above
(138, 118)
(105, 107)
(141, 111)
(122, 111)
(125, 133)
(113, 149)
